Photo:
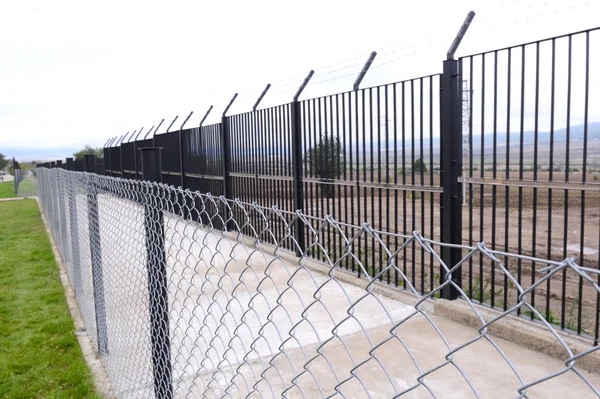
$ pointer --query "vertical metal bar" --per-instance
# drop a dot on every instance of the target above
(413, 193)
(395, 125)
(520, 189)
(96, 253)
(471, 192)
(422, 178)
(481, 186)
(550, 173)
(535, 168)
(494, 175)
(157, 277)
(431, 179)
(583, 179)
(404, 216)
(451, 144)
(507, 175)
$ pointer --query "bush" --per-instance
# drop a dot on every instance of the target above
(324, 160)
(419, 166)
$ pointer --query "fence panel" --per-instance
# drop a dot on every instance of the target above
(374, 155)
(530, 168)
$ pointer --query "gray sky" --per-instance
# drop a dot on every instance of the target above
(77, 72)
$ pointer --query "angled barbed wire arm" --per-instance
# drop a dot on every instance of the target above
(229, 104)
(459, 36)
(169, 128)
(153, 131)
(364, 71)
(140, 132)
(304, 84)
(264, 92)
(130, 137)
(205, 116)
(186, 119)
(121, 138)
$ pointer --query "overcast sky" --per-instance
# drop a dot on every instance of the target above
(78, 72)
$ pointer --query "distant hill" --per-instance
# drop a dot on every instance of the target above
(576, 133)
(23, 154)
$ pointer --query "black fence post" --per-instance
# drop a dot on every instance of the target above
(451, 162)
(298, 188)
(96, 254)
(157, 277)
(297, 170)
(15, 177)
(72, 194)
(451, 144)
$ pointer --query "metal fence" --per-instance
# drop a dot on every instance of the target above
(234, 306)
(509, 134)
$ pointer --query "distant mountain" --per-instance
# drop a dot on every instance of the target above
(23, 154)
(576, 133)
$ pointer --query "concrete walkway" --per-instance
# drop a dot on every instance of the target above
(246, 323)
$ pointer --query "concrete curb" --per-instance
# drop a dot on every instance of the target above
(522, 332)
(101, 382)
(511, 328)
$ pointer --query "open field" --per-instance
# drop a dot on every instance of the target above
(39, 353)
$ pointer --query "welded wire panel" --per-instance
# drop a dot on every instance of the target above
(374, 155)
(202, 159)
(528, 118)
(261, 156)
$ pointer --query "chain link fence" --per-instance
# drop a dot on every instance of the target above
(25, 182)
(189, 295)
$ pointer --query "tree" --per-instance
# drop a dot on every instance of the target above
(419, 166)
(3, 161)
(325, 159)
(89, 150)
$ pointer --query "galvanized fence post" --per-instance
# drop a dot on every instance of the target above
(96, 255)
(74, 227)
(157, 277)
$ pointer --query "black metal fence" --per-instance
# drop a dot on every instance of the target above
(500, 147)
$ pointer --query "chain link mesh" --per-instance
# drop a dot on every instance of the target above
(189, 295)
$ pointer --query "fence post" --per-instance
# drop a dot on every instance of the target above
(157, 277)
(15, 182)
(96, 254)
(297, 173)
(74, 228)
(297, 170)
(226, 155)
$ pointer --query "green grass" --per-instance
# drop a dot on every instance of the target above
(39, 353)
(28, 186)
(7, 189)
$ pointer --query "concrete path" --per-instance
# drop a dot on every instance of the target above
(245, 323)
